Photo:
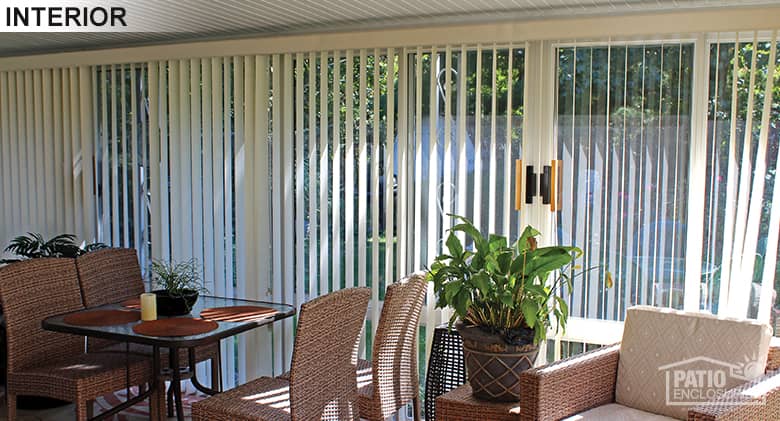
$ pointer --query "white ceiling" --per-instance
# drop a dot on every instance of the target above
(188, 20)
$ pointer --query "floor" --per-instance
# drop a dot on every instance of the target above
(136, 413)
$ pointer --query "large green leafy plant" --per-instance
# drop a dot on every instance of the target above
(33, 246)
(503, 288)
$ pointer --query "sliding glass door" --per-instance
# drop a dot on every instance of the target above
(623, 131)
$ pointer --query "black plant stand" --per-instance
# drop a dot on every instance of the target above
(446, 367)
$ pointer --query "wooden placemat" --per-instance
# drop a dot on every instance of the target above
(237, 313)
(133, 303)
(175, 326)
(102, 318)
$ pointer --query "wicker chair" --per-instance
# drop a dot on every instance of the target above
(119, 269)
(54, 365)
(572, 386)
(391, 381)
(322, 381)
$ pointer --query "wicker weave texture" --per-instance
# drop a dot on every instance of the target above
(51, 364)
(109, 276)
(322, 381)
(569, 386)
(773, 359)
(31, 291)
(394, 360)
(460, 404)
(446, 367)
(755, 400)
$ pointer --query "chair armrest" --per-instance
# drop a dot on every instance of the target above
(773, 359)
(570, 386)
(755, 400)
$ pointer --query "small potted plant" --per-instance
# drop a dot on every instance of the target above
(178, 286)
(504, 301)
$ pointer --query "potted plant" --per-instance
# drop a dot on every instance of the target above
(178, 286)
(33, 246)
(503, 302)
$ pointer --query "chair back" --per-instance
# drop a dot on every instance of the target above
(109, 276)
(31, 291)
(323, 381)
(394, 365)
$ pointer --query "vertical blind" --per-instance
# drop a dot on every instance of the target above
(47, 152)
(289, 176)
(742, 212)
(338, 159)
(623, 131)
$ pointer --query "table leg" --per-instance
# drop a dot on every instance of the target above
(176, 382)
(194, 379)
(157, 398)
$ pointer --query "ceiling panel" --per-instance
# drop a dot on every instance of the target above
(189, 20)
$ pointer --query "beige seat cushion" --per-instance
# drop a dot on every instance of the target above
(616, 412)
(662, 345)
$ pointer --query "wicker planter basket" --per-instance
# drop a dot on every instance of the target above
(493, 366)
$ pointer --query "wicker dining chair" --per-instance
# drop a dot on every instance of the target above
(49, 364)
(390, 380)
(113, 275)
(322, 381)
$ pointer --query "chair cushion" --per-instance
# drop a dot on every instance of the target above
(616, 412)
(685, 351)
(265, 398)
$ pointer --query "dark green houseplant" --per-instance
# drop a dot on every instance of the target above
(33, 246)
(178, 286)
(504, 298)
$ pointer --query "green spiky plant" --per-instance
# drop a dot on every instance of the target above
(33, 246)
(178, 278)
(503, 288)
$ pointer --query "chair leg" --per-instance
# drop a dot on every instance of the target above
(11, 402)
(170, 400)
(90, 409)
(216, 372)
(157, 403)
(81, 411)
(416, 408)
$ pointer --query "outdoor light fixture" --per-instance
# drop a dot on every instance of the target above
(548, 185)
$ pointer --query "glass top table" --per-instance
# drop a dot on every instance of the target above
(125, 333)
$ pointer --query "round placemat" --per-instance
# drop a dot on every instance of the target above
(175, 326)
(133, 303)
(102, 318)
(237, 313)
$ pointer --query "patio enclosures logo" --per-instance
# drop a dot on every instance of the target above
(702, 380)
(76, 16)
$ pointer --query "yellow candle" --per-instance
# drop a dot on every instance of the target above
(148, 306)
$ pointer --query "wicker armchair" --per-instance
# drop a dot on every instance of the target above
(390, 380)
(43, 363)
(581, 385)
(322, 381)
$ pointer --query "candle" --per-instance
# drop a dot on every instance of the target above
(148, 306)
